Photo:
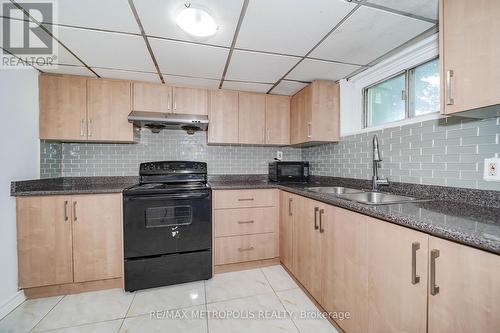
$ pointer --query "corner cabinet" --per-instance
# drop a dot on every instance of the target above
(315, 113)
(65, 240)
(470, 65)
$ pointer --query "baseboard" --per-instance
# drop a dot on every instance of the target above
(12, 303)
(240, 266)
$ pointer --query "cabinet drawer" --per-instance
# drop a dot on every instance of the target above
(243, 221)
(244, 198)
(235, 249)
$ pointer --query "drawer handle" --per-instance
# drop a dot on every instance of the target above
(434, 287)
(245, 199)
(414, 277)
(244, 222)
(242, 249)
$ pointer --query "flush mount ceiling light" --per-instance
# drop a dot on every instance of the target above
(196, 21)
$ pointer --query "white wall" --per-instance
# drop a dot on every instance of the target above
(351, 91)
(19, 151)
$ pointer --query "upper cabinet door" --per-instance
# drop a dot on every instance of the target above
(397, 299)
(223, 116)
(468, 298)
(44, 241)
(109, 104)
(277, 120)
(63, 108)
(97, 237)
(252, 118)
(152, 97)
(325, 111)
(470, 65)
(190, 101)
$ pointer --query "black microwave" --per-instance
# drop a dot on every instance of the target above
(280, 171)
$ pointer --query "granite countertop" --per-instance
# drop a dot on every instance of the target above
(470, 217)
(71, 185)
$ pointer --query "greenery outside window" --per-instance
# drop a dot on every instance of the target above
(411, 93)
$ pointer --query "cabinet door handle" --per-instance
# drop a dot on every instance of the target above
(316, 210)
(268, 135)
(290, 206)
(414, 277)
(321, 212)
(264, 135)
(245, 222)
(66, 218)
(434, 287)
(89, 129)
(75, 218)
(245, 199)
(309, 130)
(449, 98)
(82, 132)
(241, 249)
(175, 102)
(169, 102)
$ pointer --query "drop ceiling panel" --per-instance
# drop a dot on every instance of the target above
(247, 86)
(70, 70)
(310, 70)
(113, 15)
(180, 58)
(368, 34)
(258, 67)
(127, 75)
(425, 8)
(159, 19)
(183, 81)
(107, 49)
(288, 88)
(289, 26)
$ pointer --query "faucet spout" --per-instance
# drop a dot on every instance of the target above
(376, 159)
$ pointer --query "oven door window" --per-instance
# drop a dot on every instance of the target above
(157, 217)
(291, 170)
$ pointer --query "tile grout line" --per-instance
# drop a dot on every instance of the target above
(31, 330)
(206, 305)
(128, 310)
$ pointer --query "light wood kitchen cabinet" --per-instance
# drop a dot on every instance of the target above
(223, 117)
(108, 106)
(468, 298)
(308, 238)
(286, 229)
(63, 107)
(190, 101)
(252, 118)
(69, 239)
(97, 237)
(345, 267)
(470, 65)
(315, 113)
(151, 97)
(44, 241)
(277, 120)
(397, 278)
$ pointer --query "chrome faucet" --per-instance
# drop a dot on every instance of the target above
(376, 158)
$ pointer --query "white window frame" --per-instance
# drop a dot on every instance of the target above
(352, 99)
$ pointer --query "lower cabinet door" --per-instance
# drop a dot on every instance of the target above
(345, 268)
(464, 289)
(397, 278)
(286, 229)
(97, 236)
(44, 241)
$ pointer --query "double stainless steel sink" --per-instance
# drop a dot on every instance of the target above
(365, 197)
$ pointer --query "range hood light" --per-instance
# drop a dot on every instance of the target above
(196, 22)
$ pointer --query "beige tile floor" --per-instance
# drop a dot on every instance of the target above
(256, 300)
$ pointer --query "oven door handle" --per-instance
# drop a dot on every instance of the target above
(170, 196)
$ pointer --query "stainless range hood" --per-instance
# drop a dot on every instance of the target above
(157, 121)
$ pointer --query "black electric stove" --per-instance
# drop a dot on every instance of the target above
(167, 227)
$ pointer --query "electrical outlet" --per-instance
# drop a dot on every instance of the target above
(491, 171)
(279, 155)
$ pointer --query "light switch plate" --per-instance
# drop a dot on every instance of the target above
(491, 172)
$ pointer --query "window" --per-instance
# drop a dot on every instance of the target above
(412, 93)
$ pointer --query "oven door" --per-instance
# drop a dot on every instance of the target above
(167, 223)
(291, 172)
